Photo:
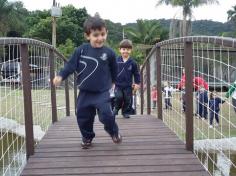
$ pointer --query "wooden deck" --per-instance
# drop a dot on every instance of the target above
(149, 148)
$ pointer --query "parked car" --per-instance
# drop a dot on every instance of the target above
(11, 72)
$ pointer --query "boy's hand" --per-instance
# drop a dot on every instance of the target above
(57, 80)
(135, 87)
(113, 86)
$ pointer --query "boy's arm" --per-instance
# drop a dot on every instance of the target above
(113, 67)
(221, 100)
(71, 65)
(231, 90)
(136, 74)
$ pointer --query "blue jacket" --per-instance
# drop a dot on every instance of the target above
(96, 68)
(214, 104)
(126, 71)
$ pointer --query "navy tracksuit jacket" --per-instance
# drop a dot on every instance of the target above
(97, 70)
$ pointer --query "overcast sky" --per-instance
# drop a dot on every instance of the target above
(126, 11)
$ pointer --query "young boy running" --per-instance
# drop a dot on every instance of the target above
(97, 70)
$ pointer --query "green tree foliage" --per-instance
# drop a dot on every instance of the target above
(232, 17)
(144, 35)
(146, 32)
(232, 14)
(68, 26)
(12, 17)
(67, 48)
(114, 32)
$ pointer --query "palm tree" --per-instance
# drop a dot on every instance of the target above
(145, 35)
(187, 6)
(147, 32)
(232, 14)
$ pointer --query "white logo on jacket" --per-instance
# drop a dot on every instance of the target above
(104, 56)
(130, 67)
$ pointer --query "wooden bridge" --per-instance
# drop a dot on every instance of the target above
(159, 142)
(148, 148)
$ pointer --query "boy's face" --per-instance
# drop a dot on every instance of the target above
(125, 52)
(97, 38)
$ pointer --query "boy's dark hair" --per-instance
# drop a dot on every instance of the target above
(94, 23)
(125, 43)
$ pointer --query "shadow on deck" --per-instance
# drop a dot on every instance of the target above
(149, 148)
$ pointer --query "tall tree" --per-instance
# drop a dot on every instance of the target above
(69, 25)
(232, 17)
(11, 17)
(232, 14)
(145, 35)
(187, 6)
(146, 32)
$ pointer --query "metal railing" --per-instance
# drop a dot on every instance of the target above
(29, 102)
(210, 71)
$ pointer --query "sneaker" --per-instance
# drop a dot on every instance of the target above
(86, 143)
(217, 124)
(115, 112)
(126, 116)
(210, 126)
(117, 139)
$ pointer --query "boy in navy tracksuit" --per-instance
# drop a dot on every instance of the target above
(127, 69)
(97, 70)
(202, 102)
(214, 106)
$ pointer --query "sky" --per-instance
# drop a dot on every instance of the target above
(128, 11)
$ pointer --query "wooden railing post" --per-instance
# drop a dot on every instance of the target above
(148, 88)
(29, 130)
(67, 96)
(75, 91)
(53, 88)
(188, 65)
(141, 92)
(159, 89)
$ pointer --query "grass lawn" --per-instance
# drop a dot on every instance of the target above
(175, 119)
(12, 105)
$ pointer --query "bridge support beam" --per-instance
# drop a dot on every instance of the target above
(53, 88)
(188, 65)
(159, 92)
(29, 131)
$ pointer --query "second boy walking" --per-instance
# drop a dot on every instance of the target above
(127, 70)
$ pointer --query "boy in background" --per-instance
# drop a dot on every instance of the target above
(214, 106)
(127, 71)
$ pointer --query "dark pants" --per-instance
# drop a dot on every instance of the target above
(214, 115)
(167, 103)
(234, 104)
(87, 104)
(123, 100)
(154, 104)
(184, 105)
(202, 110)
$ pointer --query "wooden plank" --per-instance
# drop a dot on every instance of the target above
(111, 158)
(120, 169)
(124, 162)
(203, 173)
